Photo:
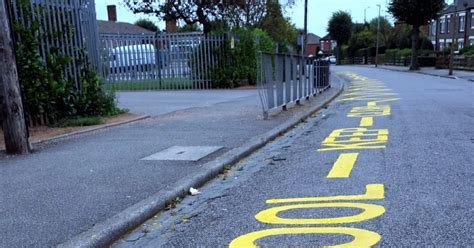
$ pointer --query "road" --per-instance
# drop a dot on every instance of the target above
(389, 163)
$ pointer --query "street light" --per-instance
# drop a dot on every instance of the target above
(365, 14)
(377, 45)
(305, 37)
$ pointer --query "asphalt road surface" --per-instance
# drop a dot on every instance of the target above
(389, 163)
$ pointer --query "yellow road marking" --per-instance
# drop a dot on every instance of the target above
(355, 138)
(366, 121)
(370, 211)
(372, 192)
(343, 166)
(370, 111)
(362, 238)
(371, 104)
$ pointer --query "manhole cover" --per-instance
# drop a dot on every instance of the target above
(184, 153)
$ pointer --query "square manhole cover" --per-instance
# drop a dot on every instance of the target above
(184, 153)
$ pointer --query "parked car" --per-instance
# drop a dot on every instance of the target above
(332, 59)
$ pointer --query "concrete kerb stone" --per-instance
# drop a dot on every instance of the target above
(419, 72)
(105, 233)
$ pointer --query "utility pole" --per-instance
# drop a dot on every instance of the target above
(365, 14)
(14, 127)
(451, 56)
(377, 45)
(305, 32)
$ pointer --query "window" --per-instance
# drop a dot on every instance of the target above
(471, 42)
(462, 23)
(448, 25)
(441, 45)
(472, 20)
(442, 25)
(460, 44)
(433, 28)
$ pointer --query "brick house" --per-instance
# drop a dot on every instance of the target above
(312, 44)
(112, 26)
(328, 45)
(441, 30)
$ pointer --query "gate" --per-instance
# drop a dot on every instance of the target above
(162, 61)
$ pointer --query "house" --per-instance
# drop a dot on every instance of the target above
(112, 26)
(441, 31)
(328, 45)
(312, 44)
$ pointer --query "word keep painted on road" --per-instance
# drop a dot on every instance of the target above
(342, 139)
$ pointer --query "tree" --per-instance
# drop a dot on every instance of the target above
(251, 14)
(386, 29)
(415, 13)
(277, 26)
(191, 12)
(189, 28)
(14, 127)
(147, 24)
(340, 29)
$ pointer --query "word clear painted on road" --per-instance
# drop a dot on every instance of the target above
(361, 237)
(348, 140)
(355, 138)
(362, 137)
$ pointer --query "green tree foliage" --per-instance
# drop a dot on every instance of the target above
(386, 28)
(191, 12)
(415, 13)
(46, 91)
(241, 61)
(190, 28)
(362, 39)
(147, 24)
(278, 27)
(340, 29)
(400, 38)
(251, 14)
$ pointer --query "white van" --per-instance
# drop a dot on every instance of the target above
(128, 57)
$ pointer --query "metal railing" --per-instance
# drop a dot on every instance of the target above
(163, 61)
(284, 79)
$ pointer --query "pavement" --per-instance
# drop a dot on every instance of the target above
(68, 187)
(457, 74)
(417, 162)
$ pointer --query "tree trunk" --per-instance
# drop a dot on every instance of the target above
(338, 55)
(14, 127)
(415, 36)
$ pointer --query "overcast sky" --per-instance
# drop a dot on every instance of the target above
(319, 12)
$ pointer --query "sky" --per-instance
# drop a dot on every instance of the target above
(319, 12)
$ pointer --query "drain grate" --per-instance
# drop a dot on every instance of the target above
(184, 153)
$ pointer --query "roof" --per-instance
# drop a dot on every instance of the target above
(326, 37)
(460, 6)
(312, 39)
(110, 27)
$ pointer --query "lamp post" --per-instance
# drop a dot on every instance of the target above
(451, 56)
(377, 45)
(365, 14)
(305, 34)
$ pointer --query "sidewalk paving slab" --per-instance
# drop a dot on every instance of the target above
(66, 188)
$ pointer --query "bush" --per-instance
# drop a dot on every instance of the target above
(46, 91)
(426, 44)
(468, 50)
(241, 61)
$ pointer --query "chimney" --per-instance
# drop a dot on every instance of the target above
(171, 25)
(112, 12)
